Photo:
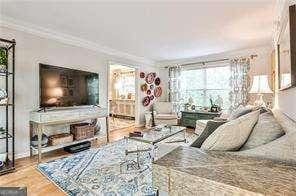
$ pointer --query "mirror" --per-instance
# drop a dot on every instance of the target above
(287, 52)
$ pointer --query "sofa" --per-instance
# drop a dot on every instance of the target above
(264, 165)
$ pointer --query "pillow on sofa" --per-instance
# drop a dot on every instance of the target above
(233, 134)
(266, 130)
(211, 126)
(240, 111)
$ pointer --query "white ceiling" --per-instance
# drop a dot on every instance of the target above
(154, 30)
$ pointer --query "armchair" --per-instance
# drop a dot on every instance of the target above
(164, 114)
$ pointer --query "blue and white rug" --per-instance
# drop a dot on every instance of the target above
(105, 170)
(102, 171)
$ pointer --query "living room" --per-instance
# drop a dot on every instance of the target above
(203, 104)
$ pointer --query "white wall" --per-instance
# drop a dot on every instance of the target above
(260, 65)
(32, 50)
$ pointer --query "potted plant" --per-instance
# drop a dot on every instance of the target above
(3, 60)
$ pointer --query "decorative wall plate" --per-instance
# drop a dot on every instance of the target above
(144, 87)
(148, 92)
(150, 78)
(157, 81)
(151, 86)
(142, 75)
(151, 97)
(157, 91)
(146, 101)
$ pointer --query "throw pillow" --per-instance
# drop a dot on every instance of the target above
(208, 130)
(240, 111)
(231, 135)
(266, 130)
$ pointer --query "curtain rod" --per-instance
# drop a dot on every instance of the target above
(211, 61)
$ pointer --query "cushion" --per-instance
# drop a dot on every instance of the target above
(233, 134)
(240, 111)
(266, 130)
(211, 126)
(163, 107)
(166, 116)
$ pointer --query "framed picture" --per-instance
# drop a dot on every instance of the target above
(64, 81)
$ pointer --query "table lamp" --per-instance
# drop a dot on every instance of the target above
(260, 86)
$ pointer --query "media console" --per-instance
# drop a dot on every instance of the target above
(44, 120)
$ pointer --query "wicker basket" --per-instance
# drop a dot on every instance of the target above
(60, 139)
(82, 131)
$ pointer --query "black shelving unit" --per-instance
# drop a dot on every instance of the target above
(7, 80)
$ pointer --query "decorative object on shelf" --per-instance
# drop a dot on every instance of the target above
(97, 125)
(214, 107)
(82, 131)
(150, 78)
(142, 75)
(157, 81)
(3, 60)
(4, 101)
(44, 140)
(146, 101)
(3, 94)
(144, 87)
(260, 86)
(219, 101)
(3, 157)
(157, 91)
(60, 139)
(148, 92)
(2, 130)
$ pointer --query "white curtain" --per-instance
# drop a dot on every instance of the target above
(239, 82)
(174, 88)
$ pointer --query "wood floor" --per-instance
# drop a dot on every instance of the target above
(26, 174)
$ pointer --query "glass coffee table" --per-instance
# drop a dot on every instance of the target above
(155, 135)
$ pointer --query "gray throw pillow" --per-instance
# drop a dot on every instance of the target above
(266, 130)
(208, 130)
(240, 111)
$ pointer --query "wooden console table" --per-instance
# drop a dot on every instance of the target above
(189, 118)
(40, 119)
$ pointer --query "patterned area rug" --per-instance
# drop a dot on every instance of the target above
(107, 170)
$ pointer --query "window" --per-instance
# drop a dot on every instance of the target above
(205, 83)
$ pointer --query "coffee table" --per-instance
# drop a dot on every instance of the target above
(155, 135)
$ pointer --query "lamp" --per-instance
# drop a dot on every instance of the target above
(260, 86)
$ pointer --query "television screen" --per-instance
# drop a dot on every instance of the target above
(62, 87)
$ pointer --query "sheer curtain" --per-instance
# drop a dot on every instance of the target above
(239, 82)
(174, 88)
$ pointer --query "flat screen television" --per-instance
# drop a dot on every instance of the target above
(64, 87)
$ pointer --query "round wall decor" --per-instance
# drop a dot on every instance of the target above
(157, 81)
(142, 75)
(146, 101)
(150, 78)
(144, 87)
(157, 91)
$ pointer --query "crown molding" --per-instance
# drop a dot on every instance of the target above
(68, 39)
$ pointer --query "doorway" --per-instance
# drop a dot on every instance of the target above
(121, 96)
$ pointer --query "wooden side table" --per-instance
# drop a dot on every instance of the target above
(189, 118)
